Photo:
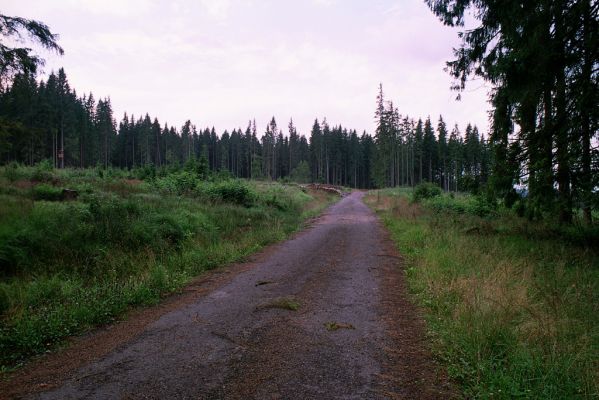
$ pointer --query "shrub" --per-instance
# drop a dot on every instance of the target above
(480, 206)
(43, 172)
(301, 173)
(152, 229)
(147, 172)
(278, 198)
(468, 204)
(84, 188)
(520, 207)
(182, 182)
(579, 234)
(277, 202)
(47, 192)
(230, 191)
(12, 172)
(425, 190)
(111, 219)
(65, 266)
(223, 175)
(4, 300)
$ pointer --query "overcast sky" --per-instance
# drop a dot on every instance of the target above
(223, 62)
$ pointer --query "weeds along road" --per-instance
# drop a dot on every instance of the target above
(321, 316)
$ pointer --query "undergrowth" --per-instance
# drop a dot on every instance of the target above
(69, 265)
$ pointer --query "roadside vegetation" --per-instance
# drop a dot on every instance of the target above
(78, 247)
(511, 305)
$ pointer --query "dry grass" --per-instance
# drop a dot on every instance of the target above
(335, 326)
(511, 315)
(283, 303)
(399, 206)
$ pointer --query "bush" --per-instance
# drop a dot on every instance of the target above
(301, 173)
(49, 231)
(4, 300)
(425, 190)
(230, 191)
(12, 172)
(520, 207)
(468, 204)
(47, 192)
(223, 175)
(277, 202)
(65, 266)
(579, 234)
(182, 182)
(480, 207)
(147, 172)
(43, 172)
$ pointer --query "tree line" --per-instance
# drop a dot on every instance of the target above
(409, 152)
(48, 120)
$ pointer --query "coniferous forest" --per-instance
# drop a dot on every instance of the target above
(47, 120)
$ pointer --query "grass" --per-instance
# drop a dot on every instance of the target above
(335, 326)
(67, 266)
(512, 306)
(283, 303)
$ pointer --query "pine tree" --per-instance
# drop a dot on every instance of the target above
(105, 126)
(429, 151)
(442, 154)
(316, 152)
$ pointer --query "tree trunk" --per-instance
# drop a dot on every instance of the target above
(561, 129)
(586, 108)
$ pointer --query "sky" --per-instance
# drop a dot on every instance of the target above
(223, 62)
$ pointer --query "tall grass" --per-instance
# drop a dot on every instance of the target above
(66, 266)
(513, 312)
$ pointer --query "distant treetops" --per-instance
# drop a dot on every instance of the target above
(48, 120)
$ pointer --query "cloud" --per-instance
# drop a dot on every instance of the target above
(114, 8)
(218, 9)
(221, 62)
(324, 3)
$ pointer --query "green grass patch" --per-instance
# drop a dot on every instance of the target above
(335, 326)
(283, 303)
(511, 305)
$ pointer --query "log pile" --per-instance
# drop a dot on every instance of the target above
(325, 188)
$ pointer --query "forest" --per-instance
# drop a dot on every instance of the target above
(48, 121)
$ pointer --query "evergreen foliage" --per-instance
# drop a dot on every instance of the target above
(22, 60)
(541, 57)
(47, 121)
(409, 152)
